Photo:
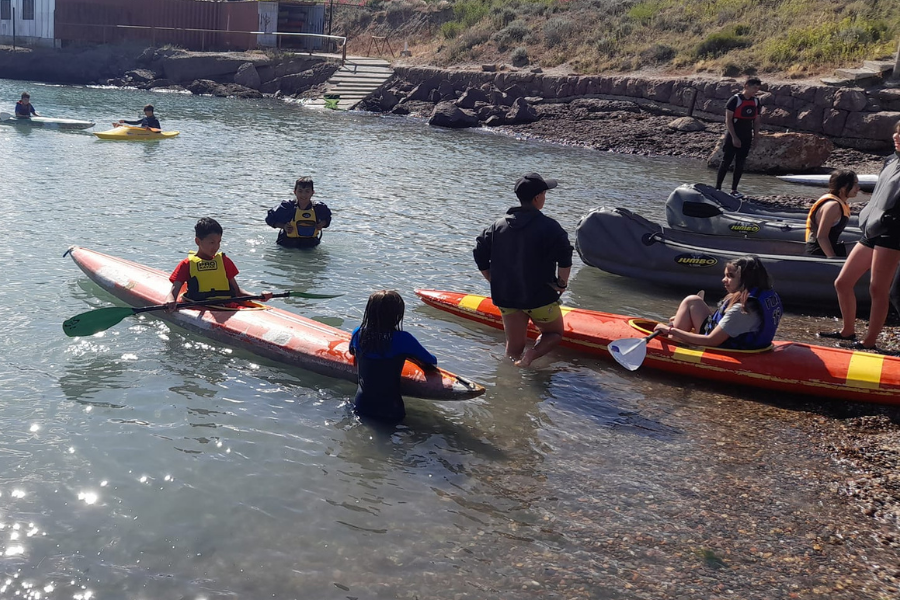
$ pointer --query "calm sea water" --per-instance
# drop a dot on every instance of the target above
(149, 463)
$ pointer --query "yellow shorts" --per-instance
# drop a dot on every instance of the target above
(541, 314)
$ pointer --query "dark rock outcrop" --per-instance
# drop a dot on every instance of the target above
(782, 153)
(447, 114)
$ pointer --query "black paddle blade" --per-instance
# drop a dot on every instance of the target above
(95, 321)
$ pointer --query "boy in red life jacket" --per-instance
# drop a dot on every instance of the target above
(742, 124)
(208, 273)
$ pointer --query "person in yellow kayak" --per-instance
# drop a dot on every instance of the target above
(24, 108)
(148, 122)
(829, 216)
(208, 273)
(746, 319)
(300, 220)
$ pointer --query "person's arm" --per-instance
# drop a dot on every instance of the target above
(406, 344)
(826, 216)
(714, 338)
(138, 122)
(563, 260)
(757, 119)
(729, 125)
(34, 112)
(562, 279)
(323, 213)
(280, 216)
(482, 252)
(173, 295)
(237, 290)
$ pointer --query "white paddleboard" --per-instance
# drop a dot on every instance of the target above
(47, 122)
(866, 182)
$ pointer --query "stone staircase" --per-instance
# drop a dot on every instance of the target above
(355, 81)
(872, 72)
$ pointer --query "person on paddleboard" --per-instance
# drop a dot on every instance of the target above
(526, 256)
(829, 216)
(300, 220)
(746, 319)
(878, 253)
(149, 121)
(208, 273)
(380, 348)
(24, 108)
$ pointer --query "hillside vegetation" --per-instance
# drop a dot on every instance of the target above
(796, 38)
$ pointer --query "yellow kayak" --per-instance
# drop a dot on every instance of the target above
(127, 132)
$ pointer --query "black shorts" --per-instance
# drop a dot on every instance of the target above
(888, 240)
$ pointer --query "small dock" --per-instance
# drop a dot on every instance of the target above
(357, 80)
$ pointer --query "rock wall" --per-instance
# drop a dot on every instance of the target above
(851, 117)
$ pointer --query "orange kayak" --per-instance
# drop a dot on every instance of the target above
(786, 366)
(270, 332)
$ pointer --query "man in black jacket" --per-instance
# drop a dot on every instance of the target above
(527, 257)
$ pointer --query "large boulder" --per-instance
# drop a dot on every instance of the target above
(470, 97)
(782, 153)
(521, 112)
(687, 124)
(447, 114)
(247, 76)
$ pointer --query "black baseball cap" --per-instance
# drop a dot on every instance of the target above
(531, 184)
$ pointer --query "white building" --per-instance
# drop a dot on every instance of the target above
(27, 22)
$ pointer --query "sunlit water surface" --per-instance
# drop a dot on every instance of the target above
(149, 463)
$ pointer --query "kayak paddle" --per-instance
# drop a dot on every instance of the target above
(630, 352)
(4, 116)
(101, 319)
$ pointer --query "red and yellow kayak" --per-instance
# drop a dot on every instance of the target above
(786, 366)
(270, 332)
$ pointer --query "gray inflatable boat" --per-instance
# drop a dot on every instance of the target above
(703, 209)
(618, 241)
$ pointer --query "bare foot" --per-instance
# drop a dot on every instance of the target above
(526, 359)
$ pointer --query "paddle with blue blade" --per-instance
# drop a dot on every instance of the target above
(630, 352)
(101, 319)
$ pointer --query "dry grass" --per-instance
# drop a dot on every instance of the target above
(795, 37)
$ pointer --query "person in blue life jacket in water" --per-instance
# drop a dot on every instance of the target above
(380, 348)
(746, 319)
(300, 220)
(149, 121)
(24, 108)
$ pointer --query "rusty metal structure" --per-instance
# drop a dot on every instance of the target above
(190, 24)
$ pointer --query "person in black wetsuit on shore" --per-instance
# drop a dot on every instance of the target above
(742, 125)
(148, 122)
(380, 347)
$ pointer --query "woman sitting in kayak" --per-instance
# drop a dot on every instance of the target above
(746, 319)
(380, 348)
(829, 216)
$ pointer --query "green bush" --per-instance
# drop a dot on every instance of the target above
(470, 12)
(451, 30)
(502, 16)
(558, 30)
(519, 57)
(657, 54)
(719, 44)
(515, 32)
